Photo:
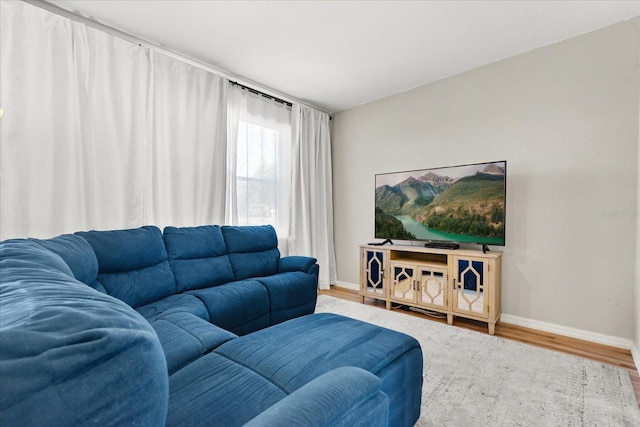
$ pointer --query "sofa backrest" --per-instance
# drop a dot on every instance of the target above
(132, 264)
(198, 256)
(29, 252)
(253, 250)
(143, 265)
(78, 255)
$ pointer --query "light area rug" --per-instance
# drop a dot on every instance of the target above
(475, 379)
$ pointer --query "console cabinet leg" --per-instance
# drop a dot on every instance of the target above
(450, 319)
(388, 305)
(492, 328)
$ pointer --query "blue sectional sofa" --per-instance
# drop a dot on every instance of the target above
(190, 326)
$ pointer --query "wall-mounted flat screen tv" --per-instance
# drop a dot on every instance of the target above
(462, 204)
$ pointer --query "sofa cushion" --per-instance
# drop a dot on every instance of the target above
(64, 347)
(185, 337)
(295, 352)
(132, 264)
(291, 295)
(239, 307)
(343, 397)
(198, 256)
(179, 303)
(30, 252)
(216, 391)
(296, 263)
(253, 250)
(78, 255)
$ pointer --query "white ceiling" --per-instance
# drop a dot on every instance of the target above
(340, 54)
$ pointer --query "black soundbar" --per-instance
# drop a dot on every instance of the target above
(442, 245)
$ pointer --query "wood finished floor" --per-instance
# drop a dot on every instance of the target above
(598, 352)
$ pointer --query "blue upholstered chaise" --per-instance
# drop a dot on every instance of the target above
(191, 326)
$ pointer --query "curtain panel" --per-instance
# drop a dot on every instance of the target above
(311, 228)
(73, 128)
(101, 133)
(185, 185)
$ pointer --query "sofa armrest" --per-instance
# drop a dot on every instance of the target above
(346, 396)
(70, 355)
(296, 263)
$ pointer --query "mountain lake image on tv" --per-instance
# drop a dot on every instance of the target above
(463, 204)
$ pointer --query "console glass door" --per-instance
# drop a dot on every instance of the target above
(374, 271)
(403, 282)
(470, 291)
(433, 286)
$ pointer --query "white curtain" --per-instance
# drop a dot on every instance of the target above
(73, 129)
(258, 162)
(100, 133)
(311, 228)
(186, 182)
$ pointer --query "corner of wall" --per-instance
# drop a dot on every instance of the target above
(635, 345)
(635, 353)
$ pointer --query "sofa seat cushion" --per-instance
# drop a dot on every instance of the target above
(240, 307)
(185, 337)
(216, 391)
(198, 256)
(291, 295)
(180, 303)
(295, 352)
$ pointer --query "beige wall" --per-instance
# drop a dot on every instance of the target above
(565, 117)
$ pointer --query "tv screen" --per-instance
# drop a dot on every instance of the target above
(462, 204)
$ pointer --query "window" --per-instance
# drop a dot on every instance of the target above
(260, 162)
(258, 190)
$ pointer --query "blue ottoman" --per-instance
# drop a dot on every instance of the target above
(295, 352)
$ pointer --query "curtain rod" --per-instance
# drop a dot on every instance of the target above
(58, 10)
(257, 92)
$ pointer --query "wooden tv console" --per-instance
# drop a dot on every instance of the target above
(458, 282)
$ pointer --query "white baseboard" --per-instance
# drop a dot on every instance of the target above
(635, 353)
(581, 334)
(347, 285)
